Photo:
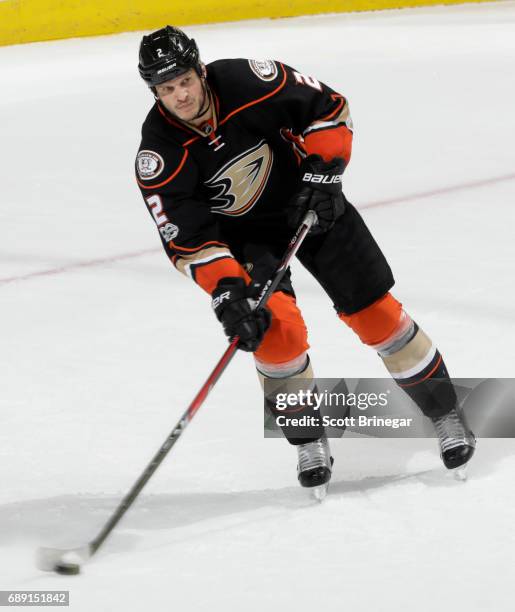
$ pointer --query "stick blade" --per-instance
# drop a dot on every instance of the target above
(47, 559)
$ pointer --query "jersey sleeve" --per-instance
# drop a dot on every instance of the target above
(167, 178)
(320, 116)
(313, 116)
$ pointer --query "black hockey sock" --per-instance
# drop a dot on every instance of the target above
(309, 429)
(431, 389)
(299, 420)
(417, 367)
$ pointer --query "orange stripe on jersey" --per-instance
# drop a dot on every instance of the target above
(171, 121)
(170, 178)
(330, 143)
(269, 95)
(190, 141)
(208, 275)
(341, 102)
(199, 248)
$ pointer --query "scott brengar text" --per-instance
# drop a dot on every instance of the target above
(361, 421)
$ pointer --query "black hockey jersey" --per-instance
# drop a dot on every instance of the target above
(212, 190)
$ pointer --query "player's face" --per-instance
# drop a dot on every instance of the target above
(182, 96)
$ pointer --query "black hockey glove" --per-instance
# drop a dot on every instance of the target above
(321, 191)
(232, 303)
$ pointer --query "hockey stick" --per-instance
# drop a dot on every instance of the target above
(68, 561)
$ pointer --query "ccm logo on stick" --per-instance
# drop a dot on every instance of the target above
(218, 300)
(321, 178)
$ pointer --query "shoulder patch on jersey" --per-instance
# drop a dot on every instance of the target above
(150, 165)
(266, 70)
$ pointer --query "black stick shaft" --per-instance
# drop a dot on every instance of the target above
(266, 292)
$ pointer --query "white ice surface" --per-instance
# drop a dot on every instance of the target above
(102, 351)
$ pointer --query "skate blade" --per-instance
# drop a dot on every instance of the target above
(460, 473)
(319, 493)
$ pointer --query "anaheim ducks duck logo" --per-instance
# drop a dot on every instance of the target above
(241, 181)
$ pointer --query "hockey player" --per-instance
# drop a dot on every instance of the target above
(232, 155)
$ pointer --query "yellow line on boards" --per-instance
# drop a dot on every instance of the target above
(23, 21)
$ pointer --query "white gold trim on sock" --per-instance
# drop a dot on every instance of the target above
(283, 370)
(419, 367)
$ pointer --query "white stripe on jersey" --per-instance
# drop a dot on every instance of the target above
(205, 260)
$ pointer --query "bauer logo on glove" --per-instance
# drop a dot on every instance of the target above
(320, 191)
(321, 178)
(218, 300)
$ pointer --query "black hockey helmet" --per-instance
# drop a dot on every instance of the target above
(166, 54)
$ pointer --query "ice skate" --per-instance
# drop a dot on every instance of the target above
(457, 442)
(314, 467)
